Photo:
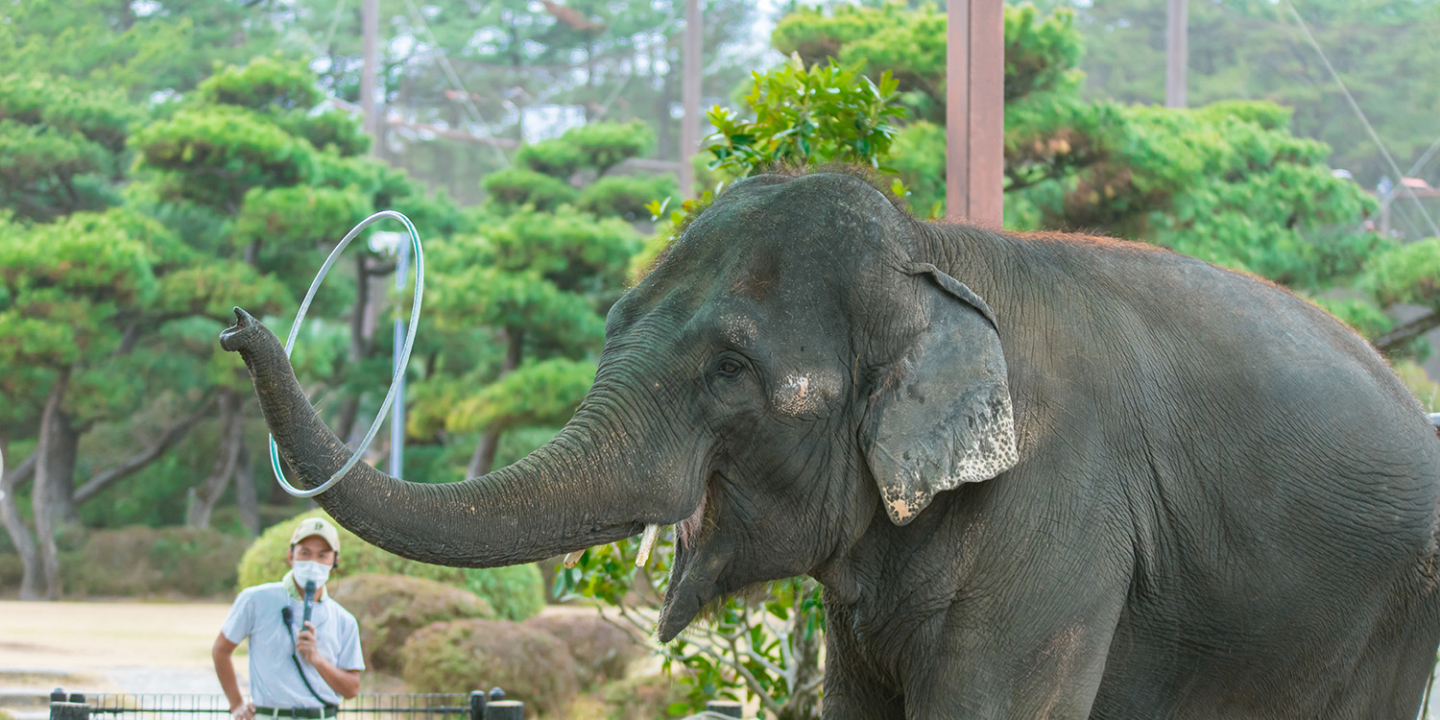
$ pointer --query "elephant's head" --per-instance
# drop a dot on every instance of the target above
(793, 363)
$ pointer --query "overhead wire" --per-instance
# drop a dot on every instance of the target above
(1374, 136)
(1389, 199)
(334, 23)
(465, 100)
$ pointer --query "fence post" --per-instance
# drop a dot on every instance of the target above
(505, 710)
(477, 705)
(68, 707)
(726, 708)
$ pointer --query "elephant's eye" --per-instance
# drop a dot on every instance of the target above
(728, 368)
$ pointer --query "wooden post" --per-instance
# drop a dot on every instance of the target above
(690, 49)
(505, 710)
(726, 708)
(60, 710)
(1177, 53)
(975, 112)
(477, 705)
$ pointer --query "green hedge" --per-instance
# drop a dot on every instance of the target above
(144, 561)
(515, 592)
(626, 195)
(532, 665)
(513, 187)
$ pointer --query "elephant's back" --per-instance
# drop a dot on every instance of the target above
(1281, 481)
(1265, 408)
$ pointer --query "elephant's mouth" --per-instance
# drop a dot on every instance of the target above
(692, 584)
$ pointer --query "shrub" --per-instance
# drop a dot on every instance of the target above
(530, 664)
(606, 144)
(145, 561)
(517, 186)
(625, 195)
(645, 698)
(11, 570)
(514, 592)
(601, 650)
(389, 608)
(556, 158)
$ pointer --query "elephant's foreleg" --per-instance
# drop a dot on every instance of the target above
(852, 689)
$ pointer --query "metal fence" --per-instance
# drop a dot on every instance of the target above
(476, 705)
(411, 706)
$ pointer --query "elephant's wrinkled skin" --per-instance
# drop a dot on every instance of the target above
(1213, 500)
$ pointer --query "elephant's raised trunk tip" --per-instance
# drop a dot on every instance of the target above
(235, 337)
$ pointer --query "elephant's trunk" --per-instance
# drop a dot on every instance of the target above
(583, 488)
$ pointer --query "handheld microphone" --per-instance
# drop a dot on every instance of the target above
(286, 616)
(309, 601)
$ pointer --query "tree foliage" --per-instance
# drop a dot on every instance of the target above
(1246, 50)
(537, 275)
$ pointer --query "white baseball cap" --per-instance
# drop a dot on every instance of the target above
(317, 526)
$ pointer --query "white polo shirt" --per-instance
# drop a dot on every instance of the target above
(274, 681)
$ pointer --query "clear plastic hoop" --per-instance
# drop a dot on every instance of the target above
(404, 355)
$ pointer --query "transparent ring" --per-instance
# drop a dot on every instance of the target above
(404, 355)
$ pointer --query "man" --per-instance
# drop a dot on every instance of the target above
(295, 671)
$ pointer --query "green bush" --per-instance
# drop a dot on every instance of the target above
(143, 561)
(556, 158)
(645, 698)
(531, 665)
(11, 571)
(606, 144)
(601, 650)
(517, 186)
(514, 592)
(389, 608)
(625, 195)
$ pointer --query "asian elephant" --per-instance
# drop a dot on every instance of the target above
(1038, 475)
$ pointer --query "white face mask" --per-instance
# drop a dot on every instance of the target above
(310, 571)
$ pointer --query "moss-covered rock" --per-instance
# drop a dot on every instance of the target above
(389, 608)
(649, 697)
(602, 651)
(514, 592)
(144, 561)
(531, 665)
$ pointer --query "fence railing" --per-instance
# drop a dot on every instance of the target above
(476, 705)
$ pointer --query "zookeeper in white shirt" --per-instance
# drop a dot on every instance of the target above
(295, 671)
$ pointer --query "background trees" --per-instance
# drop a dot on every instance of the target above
(161, 161)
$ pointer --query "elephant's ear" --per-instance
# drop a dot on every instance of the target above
(943, 415)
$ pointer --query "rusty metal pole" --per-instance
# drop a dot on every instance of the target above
(975, 112)
(690, 49)
(1177, 53)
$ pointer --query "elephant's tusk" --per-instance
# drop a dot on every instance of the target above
(647, 543)
(574, 557)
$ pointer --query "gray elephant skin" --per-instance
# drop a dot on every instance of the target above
(1037, 476)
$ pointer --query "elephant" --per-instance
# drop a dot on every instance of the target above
(1037, 475)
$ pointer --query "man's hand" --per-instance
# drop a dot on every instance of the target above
(306, 647)
(244, 711)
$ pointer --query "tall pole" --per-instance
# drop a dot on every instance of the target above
(369, 39)
(397, 409)
(975, 112)
(1177, 53)
(690, 96)
(369, 76)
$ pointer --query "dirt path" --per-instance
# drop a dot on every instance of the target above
(84, 635)
(134, 647)
(131, 646)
